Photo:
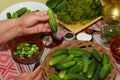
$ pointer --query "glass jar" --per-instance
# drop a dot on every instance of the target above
(110, 29)
(111, 21)
(112, 8)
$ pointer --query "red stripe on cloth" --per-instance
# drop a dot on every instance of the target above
(118, 71)
(20, 67)
(8, 70)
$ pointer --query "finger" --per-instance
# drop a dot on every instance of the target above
(37, 71)
(55, 15)
(37, 28)
(42, 18)
(57, 21)
(39, 77)
(42, 13)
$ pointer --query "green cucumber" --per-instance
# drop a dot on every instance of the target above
(105, 70)
(96, 55)
(86, 52)
(76, 68)
(71, 77)
(91, 70)
(56, 60)
(52, 20)
(65, 65)
(54, 77)
(69, 58)
(76, 51)
(21, 11)
(9, 16)
(15, 15)
(62, 73)
(105, 58)
(85, 61)
(76, 60)
(96, 74)
(60, 51)
(28, 11)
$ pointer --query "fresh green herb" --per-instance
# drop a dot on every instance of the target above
(74, 11)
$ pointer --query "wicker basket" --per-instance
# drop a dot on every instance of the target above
(88, 45)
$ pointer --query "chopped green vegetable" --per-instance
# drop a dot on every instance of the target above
(26, 50)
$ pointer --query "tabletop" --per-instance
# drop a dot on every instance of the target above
(9, 68)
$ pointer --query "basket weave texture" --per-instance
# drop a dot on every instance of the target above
(87, 45)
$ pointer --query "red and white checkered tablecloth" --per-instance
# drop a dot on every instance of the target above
(9, 69)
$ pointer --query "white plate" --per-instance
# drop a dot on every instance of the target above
(30, 5)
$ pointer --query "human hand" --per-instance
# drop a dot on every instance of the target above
(35, 75)
(35, 22)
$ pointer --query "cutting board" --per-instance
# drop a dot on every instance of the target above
(75, 28)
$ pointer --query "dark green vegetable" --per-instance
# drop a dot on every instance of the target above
(57, 59)
(53, 3)
(62, 73)
(73, 11)
(72, 77)
(96, 74)
(76, 51)
(15, 15)
(65, 65)
(105, 70)
(52, 20)
(9, 16)
(54, 77)
(105, 58)
(76, 68)
(91, 70)
(28, 11)
(60, 51)
(76, 60)
(96, 55)
(85, 61)
(21, 11)
(69, 58)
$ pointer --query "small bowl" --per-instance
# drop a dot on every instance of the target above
(114, 44)
(30, 40)
(68, 36)
(84, 36)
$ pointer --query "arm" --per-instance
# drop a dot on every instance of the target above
(9, 29)
(28, 24)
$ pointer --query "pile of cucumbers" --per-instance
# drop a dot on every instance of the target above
(79, 64)
(20, 12)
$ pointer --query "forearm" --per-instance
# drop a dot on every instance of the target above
(10, 29)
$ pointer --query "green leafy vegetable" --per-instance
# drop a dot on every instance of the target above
(74, 11)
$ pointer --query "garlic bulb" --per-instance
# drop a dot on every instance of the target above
(47, 40)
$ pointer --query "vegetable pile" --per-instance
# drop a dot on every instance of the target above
(22, 11)
(26, 50)
(74, 11)
(79, 64)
